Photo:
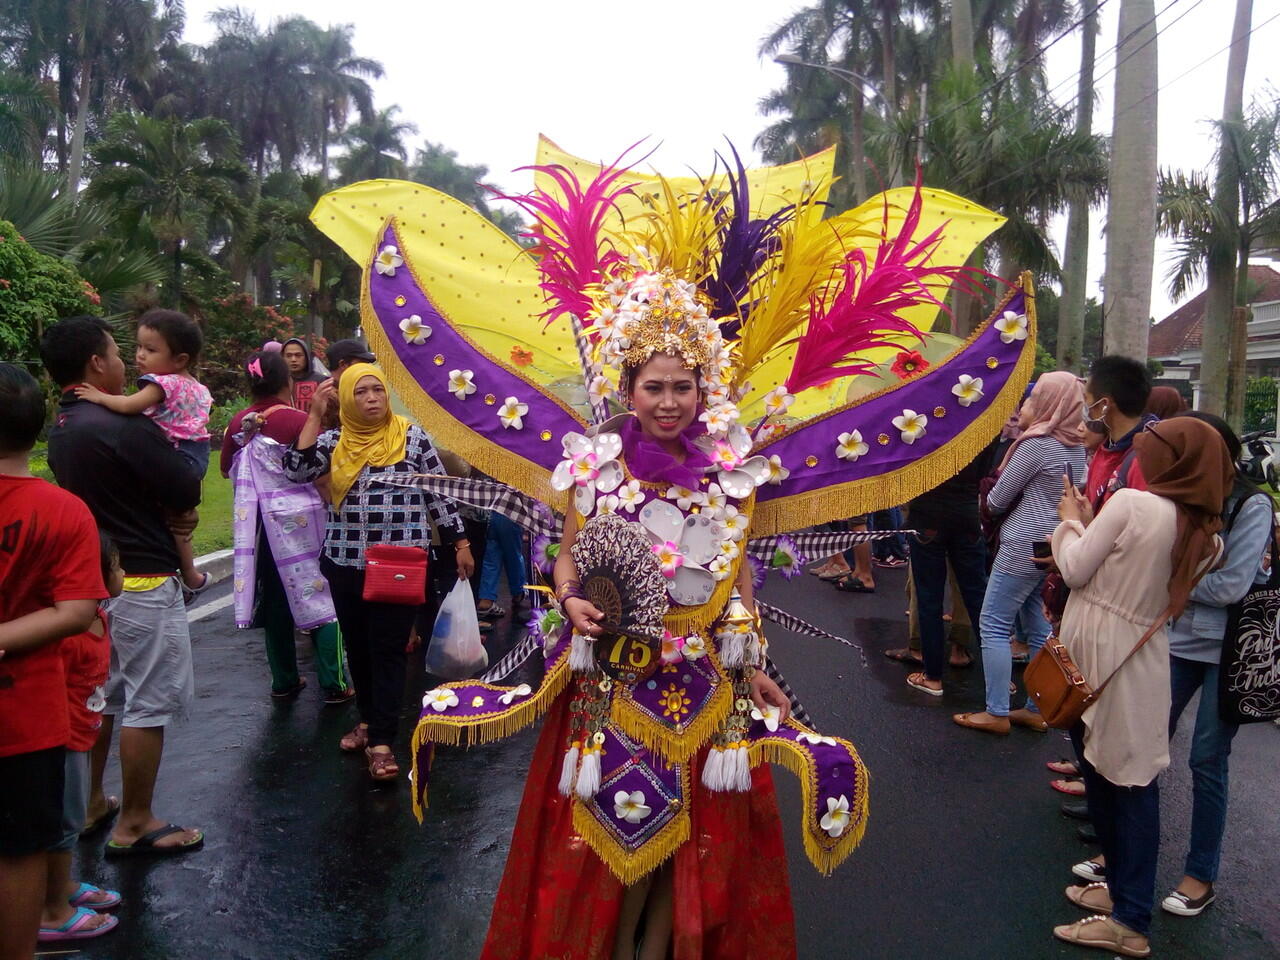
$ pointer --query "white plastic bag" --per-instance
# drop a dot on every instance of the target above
(456, 651)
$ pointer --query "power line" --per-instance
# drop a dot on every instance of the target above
(1138, 103)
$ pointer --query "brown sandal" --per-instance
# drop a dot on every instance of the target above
(382, 766)
(357, 739)
(997, 725)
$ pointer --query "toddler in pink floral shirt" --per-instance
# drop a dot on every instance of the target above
(169, 345)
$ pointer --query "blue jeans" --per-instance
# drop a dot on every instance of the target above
(503, 548)
(1010, 599)
(930, 550)
(895, 546)
(1127, 820)
(1210, 748)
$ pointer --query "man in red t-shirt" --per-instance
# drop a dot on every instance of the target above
(50, 585)
(1115, 397)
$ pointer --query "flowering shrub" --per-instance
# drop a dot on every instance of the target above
(234, 327)
(35, 291)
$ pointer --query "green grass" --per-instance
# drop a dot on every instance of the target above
(214, 532)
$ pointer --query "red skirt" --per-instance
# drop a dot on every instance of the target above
(559, 901)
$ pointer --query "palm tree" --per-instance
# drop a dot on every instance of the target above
(25, 114)
(1075, 265)
(1131, 205)
(375, 147)
(339, 82)
(171, 179)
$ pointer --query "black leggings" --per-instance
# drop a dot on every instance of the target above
(375, 635)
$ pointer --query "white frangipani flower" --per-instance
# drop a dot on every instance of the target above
(850, 446)
(521, 691)
(715, 500)
(462, 383)
(512, 412)
(440, 699)
(606, 505)
(721, 567)
(911, 424)
(836, 820)
(684, 497)
(387, 260)
(1012, 326)
(630, 806)
(730, 550)
(778, 400)
(600, 388)
(414, 330)
(733, 525)
(967, 389)
(694, 647)
(770, 714)
(777, 472)
(630, 496)
(590, 466)
(815, 739)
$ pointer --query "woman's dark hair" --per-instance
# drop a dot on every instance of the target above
(267, 372)
(1124, 380)
(109, 551)
(21, 409)
(180, 332)
(67, 347)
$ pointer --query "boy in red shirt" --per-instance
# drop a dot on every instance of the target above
(70, 907)
(1115, 397)
(50, 585)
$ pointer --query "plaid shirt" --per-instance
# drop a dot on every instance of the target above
(373, 512)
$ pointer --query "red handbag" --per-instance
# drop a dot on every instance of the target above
(395, 575)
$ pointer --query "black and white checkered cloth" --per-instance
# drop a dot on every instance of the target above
(815, 545)
(534, 515)
(369, 513)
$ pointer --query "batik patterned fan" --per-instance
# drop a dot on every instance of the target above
(621, 576)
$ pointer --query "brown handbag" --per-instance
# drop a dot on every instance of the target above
(1060, 689)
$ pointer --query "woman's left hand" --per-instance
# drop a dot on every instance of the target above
(466, 563)
(766, 693)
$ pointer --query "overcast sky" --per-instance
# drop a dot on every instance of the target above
(485, 78)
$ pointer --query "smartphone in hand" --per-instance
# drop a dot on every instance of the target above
(1042, 550)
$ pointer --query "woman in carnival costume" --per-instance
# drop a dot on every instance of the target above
(648, 813)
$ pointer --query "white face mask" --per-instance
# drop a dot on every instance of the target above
(1098, 425)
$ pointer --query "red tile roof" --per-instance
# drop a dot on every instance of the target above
(1181, 329)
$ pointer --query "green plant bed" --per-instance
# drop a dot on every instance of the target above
(214, 532)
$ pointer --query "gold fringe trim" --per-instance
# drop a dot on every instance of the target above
(867, 494)
(630, 868)
(487, 728)
(479, 451)
(824, 852)
(664, 742)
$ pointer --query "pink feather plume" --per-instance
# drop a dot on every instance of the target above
(866, 305)
(571, 254)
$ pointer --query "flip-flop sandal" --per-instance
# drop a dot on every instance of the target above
(1064, 767)
(1071, 787)
(966, 720)
(146, 846)
(1111, 937)
(86, 890)
(1078, 892)
(834, 575)
(77, 927)
(292, 692)
(917, 685)
(98, 824)
(851, 584)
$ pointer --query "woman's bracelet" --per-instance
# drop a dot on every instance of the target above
(570, 589)
(463, 544)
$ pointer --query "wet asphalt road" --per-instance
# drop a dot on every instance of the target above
(966, 855)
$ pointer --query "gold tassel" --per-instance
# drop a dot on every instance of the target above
(865, 495)
(665, 743)
(480, 451)
(632, 867)
(824, 852)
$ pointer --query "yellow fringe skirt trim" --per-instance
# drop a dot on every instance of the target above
(665, 742)
(487, 728)
(631, 867)
(824, 852)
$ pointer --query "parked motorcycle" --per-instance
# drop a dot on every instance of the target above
(1260, 459)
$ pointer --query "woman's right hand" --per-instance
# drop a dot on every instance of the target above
(584, 616)
(325, 396)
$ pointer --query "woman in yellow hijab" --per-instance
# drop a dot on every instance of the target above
(372, 442)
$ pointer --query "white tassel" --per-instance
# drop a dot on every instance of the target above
(582, 657)
(732, 650)
(739, 770)
(567, 770)
(589, 774)
(713, 770)
(753, 649)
